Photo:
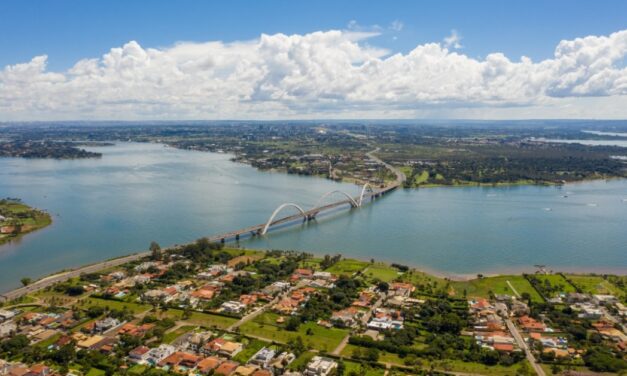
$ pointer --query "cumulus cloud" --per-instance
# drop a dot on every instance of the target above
(321, 74)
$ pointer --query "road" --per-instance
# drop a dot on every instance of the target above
(400, 176)
(61, 277)
(523, 345)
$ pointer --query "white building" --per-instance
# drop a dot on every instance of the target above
(320, 366)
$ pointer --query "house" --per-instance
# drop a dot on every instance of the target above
(106, 324)
(233, 307)
(7, 328)
(196, 341)
(347, 317)
(301, 273)
(139, 355)
(180, 359)
(531, 325)
(222, 347)
(320, 366)
(246, 370)
(282, 361)
(323, 275)
(401, 288)
(207, 365)
(8, 314)
(276, 288)
(263, 357)
(157, 354)
(227, 368)
(247, 299)
(604, 299)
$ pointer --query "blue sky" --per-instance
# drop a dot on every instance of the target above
(159, 59)
(67, 31)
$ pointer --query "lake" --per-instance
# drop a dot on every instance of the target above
(137, 193)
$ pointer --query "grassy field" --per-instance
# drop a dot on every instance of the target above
(347, 267)
(557, 280)
(381, 272)
(136, 308)
(481, 287)
(137, 369)
(301, 361)
(362, 370)
(477, 368)
(594, 284)
(320, 338)
(95, 372)
(169, 337)
(206, 320)
(384, 357)
(250, 349)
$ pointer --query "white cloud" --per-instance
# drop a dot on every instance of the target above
(453, 40)
(322, 74)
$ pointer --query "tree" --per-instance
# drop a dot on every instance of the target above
(155, 250)
(26, 281)
(372, 354)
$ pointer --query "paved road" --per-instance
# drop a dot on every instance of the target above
(523, 345)
(51, 280)
(400, 176)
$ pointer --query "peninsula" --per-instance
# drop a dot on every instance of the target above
(18, 219)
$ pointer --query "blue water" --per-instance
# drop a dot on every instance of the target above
(142, 192)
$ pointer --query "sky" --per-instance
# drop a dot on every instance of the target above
(164, 60)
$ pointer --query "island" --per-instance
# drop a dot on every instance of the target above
(207, 309)
(18, 219)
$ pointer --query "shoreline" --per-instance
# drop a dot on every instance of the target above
(66, 274)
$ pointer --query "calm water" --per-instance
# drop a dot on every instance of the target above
(142, 192)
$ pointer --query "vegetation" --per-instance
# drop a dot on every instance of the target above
(17, 219)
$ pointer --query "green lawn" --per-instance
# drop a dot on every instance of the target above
(594, 284)
(169, 337)
(481, 287)
(302, 360)
(136, 308)
(137, 369)
(364, 370)
(312, 263)
(381, 271)
(556, 280)
(347, 266)
(95, 372)
(477, 368)
(320, 338)
(384, 357)
(206, 320)
(250, 349)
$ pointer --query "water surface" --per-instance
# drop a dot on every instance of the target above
(142, 192)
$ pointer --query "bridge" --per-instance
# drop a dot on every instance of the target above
(368, 193)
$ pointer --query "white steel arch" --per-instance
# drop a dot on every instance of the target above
(349, 197)
(363, 192)
(277, 210)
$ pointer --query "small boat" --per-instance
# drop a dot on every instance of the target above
(593, 205)
(547, 209)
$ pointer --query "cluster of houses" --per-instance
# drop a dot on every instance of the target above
(207, 353)
(489, 329)
(19, 369)
(35, 326)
